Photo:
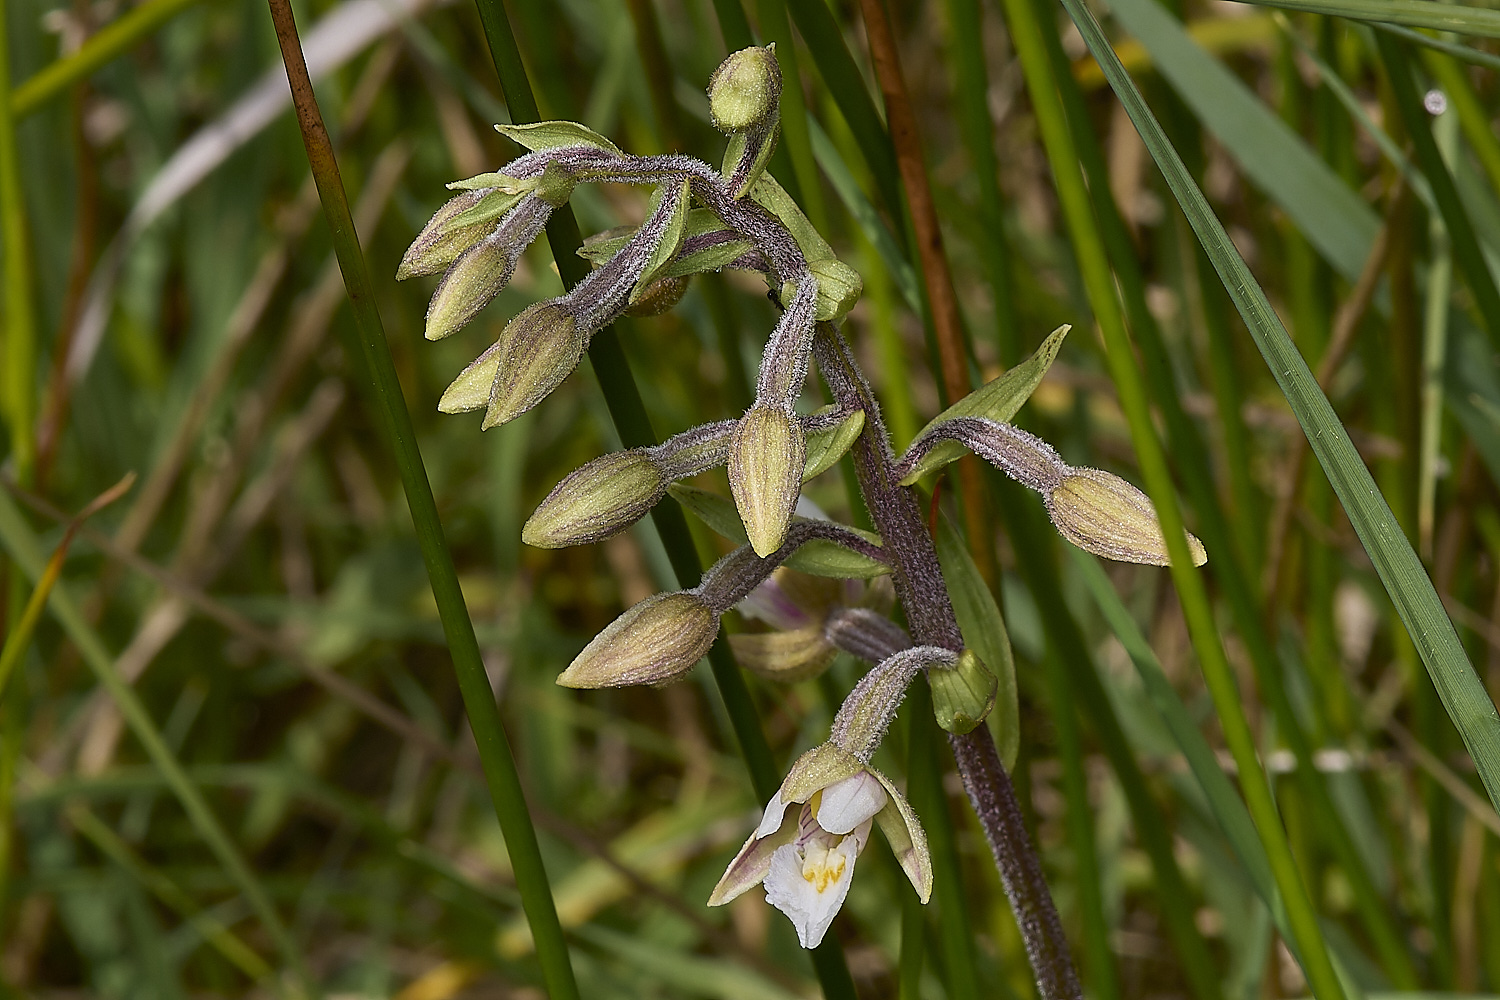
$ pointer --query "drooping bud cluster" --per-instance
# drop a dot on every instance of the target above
(701, 220)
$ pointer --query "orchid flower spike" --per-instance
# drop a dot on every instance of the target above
(805, 857)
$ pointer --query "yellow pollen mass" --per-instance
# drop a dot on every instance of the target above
(822, 867)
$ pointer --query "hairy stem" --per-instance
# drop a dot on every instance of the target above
(919, 585)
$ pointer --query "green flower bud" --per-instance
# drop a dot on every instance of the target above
(656, 641)
(440, 242)
(537, 350)
(469, 286)
(766, 458)
(471, 390)
(839, 287)
(788, 657)
(745, 91)
(1101, 513)
(963, 694)
(658, 297)
(602, 498)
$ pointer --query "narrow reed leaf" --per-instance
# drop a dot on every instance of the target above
(1460, 19)
(100, 48)
(1277, 160)
(1090, 251)
(23, 546)
(1407, 583)
(379, 369)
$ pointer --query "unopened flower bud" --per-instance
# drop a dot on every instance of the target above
(658, 640)
(963, 694)
(658, 297)
(537, 350)
(602, 498)
(766, 458)
(469, 286)
(1101, 513)
(441, 242)
(788, 657)
(745, 91)
(839, 287)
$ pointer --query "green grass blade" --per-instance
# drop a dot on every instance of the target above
(1193, 463)
(24, 547)
(1334, 218)
(17, 385)
(1400, 571)
(825, 40)
(379, 370)
(1465, 245)
(1463, 20)
(102, 47)
(1089, 249)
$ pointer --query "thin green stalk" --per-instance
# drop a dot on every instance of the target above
(18, 385)
(1100, 961)
(1434, 350)
(1411, 592)
(1089, 248)
(219, 937)
(22, 544)
(104, 46)
(1462, 19)
(909, 985)
(1464, 243)
(971, 90)
(1194, 463)
(479, 699)
(1471, 111)
(845, 83)
(775, 27)
(623, 398)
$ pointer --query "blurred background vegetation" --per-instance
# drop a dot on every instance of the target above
(175, 311)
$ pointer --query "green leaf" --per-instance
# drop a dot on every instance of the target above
(555, 135)
(1463, 20)
(998, 399)
(984, 632)
(491, 206)
(825, 447)
(1332, 216)
(774, 199)
(1411, 591)
(671, 238)
(818, 557)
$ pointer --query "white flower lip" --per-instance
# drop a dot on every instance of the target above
(809, 879)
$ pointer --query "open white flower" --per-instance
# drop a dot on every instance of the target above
(806, 857)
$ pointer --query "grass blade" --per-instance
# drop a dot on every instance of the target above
(479, 700)
(1416, 601)
(24, 548)
(1089, 249)
(102, 47)
(1272, 156)
(1463, 20)
(17, 386)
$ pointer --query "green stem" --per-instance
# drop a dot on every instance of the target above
(479, 699)
(1089, 248)
(1080, 822)
(102, 47)
(18, 386)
